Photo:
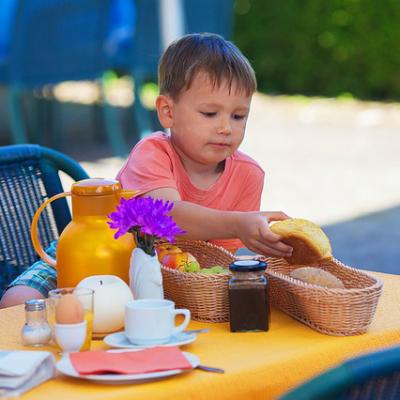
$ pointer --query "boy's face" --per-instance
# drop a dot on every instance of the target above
(207, 123)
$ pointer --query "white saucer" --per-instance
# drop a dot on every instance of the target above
(119, 340)
(65, 367)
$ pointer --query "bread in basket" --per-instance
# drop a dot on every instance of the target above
(315, 288)
(334, 311)
(310, 244)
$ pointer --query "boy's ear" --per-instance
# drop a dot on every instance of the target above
(165, 110)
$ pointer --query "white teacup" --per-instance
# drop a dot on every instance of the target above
(152, 321)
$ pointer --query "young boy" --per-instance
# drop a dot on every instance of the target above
(206, 86)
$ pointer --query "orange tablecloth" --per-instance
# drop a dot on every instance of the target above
(258, 365)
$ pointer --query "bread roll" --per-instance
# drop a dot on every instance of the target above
(309, 242)
(317, 276)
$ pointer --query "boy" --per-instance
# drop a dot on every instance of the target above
(206, 86)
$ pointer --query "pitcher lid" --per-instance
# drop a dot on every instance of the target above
(95, 187)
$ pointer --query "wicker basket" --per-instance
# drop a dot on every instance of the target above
(339, 312)
(205, 295)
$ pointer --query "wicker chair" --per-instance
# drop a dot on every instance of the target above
(28, 176)
(372, 376)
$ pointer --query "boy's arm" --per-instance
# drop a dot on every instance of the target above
(203, 223)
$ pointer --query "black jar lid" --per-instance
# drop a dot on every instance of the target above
(247, 265)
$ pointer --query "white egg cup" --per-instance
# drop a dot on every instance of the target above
(70, 337)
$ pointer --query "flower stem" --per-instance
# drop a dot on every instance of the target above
(144, 241)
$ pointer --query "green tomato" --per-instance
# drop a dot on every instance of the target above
(193, 266)
(206, 271)
(218, 269)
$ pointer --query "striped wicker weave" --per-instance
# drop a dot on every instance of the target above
(205, 295)
(339, 312)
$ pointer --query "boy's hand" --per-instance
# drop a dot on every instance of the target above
(254, 232)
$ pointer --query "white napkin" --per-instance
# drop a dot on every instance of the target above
(20, 371)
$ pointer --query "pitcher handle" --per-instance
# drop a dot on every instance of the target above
(34, 232)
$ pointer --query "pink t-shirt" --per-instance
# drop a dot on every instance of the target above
(153, 164)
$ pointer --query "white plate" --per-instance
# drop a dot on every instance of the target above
(65, 367)
(120, 340)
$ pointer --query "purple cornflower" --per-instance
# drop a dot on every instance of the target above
(147, 219)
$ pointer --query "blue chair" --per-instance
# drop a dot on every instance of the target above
(59, 40)
(205, 16)
(209, 16)
(7, 15)
(373, 376)
(198, 16)
(29, 174)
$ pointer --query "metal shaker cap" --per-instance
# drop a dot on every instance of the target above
(35, 305)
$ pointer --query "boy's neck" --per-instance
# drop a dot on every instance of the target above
(204, 179)
(201, 176)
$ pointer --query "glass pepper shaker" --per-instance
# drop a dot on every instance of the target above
(36, 331)
(248, 296)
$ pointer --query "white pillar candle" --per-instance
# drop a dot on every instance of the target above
(111, 294)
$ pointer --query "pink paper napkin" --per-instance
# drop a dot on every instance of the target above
(129, 362)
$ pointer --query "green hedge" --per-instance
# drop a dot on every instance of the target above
(322, 47)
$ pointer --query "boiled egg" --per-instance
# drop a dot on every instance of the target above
(69, 310)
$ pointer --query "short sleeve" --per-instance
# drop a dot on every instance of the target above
(149, 167)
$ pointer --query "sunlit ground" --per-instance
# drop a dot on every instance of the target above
(116, 91)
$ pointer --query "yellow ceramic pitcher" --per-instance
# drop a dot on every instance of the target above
(87, 246)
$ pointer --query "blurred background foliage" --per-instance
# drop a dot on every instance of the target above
(322, 48)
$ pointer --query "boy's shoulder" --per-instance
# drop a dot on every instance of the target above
(157, 139)
(241, 159)
(156, 145)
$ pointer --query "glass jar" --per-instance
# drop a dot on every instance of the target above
(248, 296)
(36, 331)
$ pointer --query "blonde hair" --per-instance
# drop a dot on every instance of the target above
(204, 52)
